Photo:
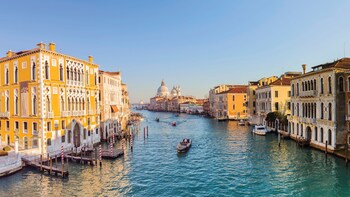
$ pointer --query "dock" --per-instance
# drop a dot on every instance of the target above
(88, 160)
(48, 168)
(107, 154)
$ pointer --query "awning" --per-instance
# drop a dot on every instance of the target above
(114, 109)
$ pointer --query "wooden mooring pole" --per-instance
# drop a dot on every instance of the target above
(41, 162)
(326, 147)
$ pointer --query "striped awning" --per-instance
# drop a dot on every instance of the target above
(114, 109)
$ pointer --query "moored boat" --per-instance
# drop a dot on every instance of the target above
(184, 146)
(173, 124)
(157, 119)
(260, 130)
(241, 123)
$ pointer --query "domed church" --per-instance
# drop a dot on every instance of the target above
(163, 90)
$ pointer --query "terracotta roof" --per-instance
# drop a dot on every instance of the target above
(341, 63)
(281, 82)
(236, 90)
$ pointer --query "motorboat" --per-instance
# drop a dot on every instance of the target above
(173, 124)
(260, 130)
(241, 123)
(184, 146)
(157, 119)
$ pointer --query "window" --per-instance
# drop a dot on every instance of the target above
(288, 105)
(96, 131)
(293, 109)
(61, 72)
(89, 133)
(47, 70)
(62, 104)
(25, 127)
(233, 98)
(297, 109)
(348, 84)
(48, 126)
(329, 85)
(321, 110)
(89, 121)
(253, 92)
(233, 107)
(315, 133)
(7, 102)
(16, 103)
(16, 126)
(341, 84)
(35, 128)
(254, 104)
(48, 104)
(349, 108)
(69, 136)
(329, 137)
(289, 93)
(321, 135)
(292, 89)
(84, 134)
(34, 105)
(7, 125)
(63, 137)
(321, 83)
(297, 89)
(330, 111)
(6, 76)
(48, 141)
(63, 124)
(16, 75)
(276, 106)
(33, 70)
(276, 94)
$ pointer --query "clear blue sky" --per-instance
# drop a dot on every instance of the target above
(196, 44)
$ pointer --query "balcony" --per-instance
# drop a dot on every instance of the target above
(64, 114)
(35, 133)
(310, 93)
(90, 112)
(49, 114)
(309, 120)
(4, 114)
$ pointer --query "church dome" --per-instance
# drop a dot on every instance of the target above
(162, 90)
(175, 91)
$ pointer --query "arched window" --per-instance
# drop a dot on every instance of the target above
(349, 108)
(297, 89)
(315, 84)
(83, 105)
(87, 78)
(96, 105)
(308, 85)
(312, 85)
(321, 110)
(6, 76)
(297, 129)
(69, 107)
(33, 71)
(348, 84)
(297, 109)
(75, 74)
(47, 70)
(16, 102)
(321, 135)
(7, 104)
(314, 110)
(321, 84)
(48, 141)
(34, 105)
(329, 137)
(292, 90)
(62, 104)
(69, 136)
(303, 86)
(293, 109)
(330, 111)
(16, 74)
(48, 104)
(68, 74)
(95, 79)
(61, 72)
(341, 84)
(329, 85)
(316, 133)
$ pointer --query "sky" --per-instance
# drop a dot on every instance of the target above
(196, 44)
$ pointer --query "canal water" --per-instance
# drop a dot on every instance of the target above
(225, 160)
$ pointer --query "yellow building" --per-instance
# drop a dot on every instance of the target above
(232, 103)
(125, 113)
(48, 100)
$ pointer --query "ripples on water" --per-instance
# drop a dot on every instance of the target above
(225, 160)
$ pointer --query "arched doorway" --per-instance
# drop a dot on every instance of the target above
(76, 135)
(308, 133)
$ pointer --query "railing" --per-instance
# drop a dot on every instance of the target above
(4, 114)
(49, 115)
(310, 93)
(90, 112)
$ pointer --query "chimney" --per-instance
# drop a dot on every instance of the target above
(9, 53)
(41, 45)
(304, 68)
(91, 59)
(52, 46)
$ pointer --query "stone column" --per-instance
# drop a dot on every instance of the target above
(16, 144)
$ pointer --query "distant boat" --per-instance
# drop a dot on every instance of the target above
(177, 115)
(173, 124)
(184, 146)
(157, 119)
(241, 123)
(260, 130)
(222, 118)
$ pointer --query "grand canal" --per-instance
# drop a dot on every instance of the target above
(225, 160)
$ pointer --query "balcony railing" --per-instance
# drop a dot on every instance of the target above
(64, 114)
(90, 112)
(49, 115)
(310, 93)
(4, 114)
(35, 133)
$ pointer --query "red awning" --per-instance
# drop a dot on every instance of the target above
(114, 109)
